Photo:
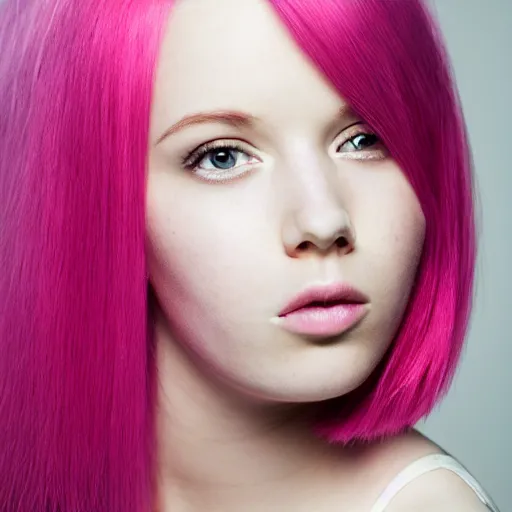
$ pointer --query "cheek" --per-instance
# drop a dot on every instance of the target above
(389, 219)
(201, 267)
(180, 274)
(196, 259)
(180, 245)
(392, 229)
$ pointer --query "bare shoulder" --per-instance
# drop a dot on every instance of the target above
(440, 490)
(380, 462)
(376, 465)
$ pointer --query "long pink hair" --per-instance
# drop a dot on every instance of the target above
(76, 347)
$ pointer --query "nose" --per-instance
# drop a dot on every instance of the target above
(318, 224)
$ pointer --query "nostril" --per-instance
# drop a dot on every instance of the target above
(341, 242)
(304, 246)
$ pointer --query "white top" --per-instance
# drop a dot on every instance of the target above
(424, 465)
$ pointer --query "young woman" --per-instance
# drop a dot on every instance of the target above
(237, 250)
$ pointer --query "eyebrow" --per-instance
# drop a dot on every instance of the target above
(230, 117)
(234, 118)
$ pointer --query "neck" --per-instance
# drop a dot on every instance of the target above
(221, 451)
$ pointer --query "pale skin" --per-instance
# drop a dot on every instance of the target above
(228, 246)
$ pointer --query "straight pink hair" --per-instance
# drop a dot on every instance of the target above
(76, 347)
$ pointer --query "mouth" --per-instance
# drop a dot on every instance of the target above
(324, 311)
(321, 304)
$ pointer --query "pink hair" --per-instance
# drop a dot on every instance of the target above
(76, 347)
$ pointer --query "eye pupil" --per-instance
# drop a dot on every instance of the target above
(223, 159)
(364, 141)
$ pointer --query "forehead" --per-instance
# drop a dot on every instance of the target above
(234, 54)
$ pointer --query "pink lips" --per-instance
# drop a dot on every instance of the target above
(324, 311)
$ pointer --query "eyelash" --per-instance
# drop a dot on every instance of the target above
(193, 158)
(191, 161)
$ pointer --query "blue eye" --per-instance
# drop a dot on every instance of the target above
(217, 156)
(360, 142)
(222, 158)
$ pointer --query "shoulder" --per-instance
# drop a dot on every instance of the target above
(440, 490)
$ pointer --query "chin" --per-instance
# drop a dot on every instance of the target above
(302, 390)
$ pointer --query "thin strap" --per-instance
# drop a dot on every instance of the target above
(424, 465)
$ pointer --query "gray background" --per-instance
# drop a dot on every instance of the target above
(474, 422)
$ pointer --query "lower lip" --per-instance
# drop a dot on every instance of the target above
(323, 321)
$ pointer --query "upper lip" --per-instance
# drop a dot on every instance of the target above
(337, 292)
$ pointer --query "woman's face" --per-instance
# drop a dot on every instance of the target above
(300, 194)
